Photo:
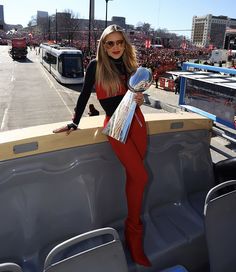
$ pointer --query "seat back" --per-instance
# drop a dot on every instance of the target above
(220, 225)
(225, 170)
(177, 268)
(10, 267)
(66, 186)
(105, 257)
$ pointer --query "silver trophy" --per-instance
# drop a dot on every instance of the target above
(119, 123)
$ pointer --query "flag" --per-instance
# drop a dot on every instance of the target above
(147, 43)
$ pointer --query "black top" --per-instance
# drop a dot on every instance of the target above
(108, 104)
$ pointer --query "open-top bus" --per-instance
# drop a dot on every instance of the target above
(61, 195)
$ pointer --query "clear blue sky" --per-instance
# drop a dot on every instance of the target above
(172, 14)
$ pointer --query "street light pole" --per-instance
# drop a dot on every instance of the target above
(89, 32)
(106, 12)
(49, 28)
(56, 25)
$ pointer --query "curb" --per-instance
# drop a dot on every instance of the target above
(157, 104)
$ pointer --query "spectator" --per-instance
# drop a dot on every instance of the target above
(177, 85)
(92, 110)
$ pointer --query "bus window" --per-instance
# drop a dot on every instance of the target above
(45, 55)
(60, 70)
(72, 65)
(53, 61)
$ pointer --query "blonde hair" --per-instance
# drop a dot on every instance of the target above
(106, 72)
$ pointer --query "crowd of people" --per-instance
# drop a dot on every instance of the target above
(160, 60)
(149, 57)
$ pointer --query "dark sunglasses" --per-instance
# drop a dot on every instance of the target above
(110, 44)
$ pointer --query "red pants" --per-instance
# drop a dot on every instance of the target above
(131, 155)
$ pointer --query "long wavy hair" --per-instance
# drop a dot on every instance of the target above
(107, 75)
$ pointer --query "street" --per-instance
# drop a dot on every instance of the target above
(30, 96)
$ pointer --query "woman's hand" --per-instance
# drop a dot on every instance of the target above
(68, 128)
(139, 98)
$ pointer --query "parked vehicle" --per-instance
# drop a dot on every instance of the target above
(219, 55)
(18, 48)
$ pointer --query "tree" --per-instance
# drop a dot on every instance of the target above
(145, 27)
(33, 21)
(67, 25)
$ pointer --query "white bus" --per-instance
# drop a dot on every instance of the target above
(64, 63)
(219, 55)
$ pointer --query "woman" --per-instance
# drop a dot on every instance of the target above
(109, 72)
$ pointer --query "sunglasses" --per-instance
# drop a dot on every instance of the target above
(110, 44)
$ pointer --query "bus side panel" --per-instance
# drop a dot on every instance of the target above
(46, 65)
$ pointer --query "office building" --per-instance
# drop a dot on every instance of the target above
(119, 21)
(1, 17)
(230, 39)
(210, 30)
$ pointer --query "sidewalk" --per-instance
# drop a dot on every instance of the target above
(162, 99)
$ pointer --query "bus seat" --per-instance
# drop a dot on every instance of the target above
(10, 267)
(181, 174)
(220, 225)
(176, 268)
(225, 170)
(106, 257)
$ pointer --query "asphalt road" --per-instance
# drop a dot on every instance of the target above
(30, 96)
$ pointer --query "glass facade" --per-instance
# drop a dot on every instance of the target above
(71, 65)
(1, 17)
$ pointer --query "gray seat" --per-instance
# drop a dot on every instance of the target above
(176, 268)
(225, 170)
(220, 225)
(10, 267)
(106, 257)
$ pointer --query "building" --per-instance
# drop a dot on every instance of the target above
(230, 39)
(210, 30)
(43, 21)
(119, 21)
(42, 17)
(1, 17)
(7, 27)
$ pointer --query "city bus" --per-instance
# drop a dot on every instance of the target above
(64, 63)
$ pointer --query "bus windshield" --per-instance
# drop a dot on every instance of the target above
(72, 65)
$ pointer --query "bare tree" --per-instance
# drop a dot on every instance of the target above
(67, 25)
(33, 21)
(96, 33)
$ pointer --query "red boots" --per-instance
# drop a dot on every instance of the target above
(134, 241)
